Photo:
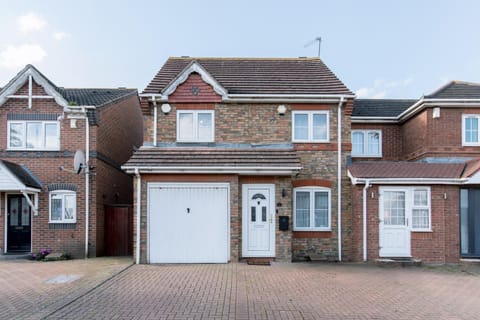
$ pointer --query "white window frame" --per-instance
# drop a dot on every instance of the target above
(365, 154)
(409, 205)
(23, 147)
(312, 191)
(464, 127)
(195, 125)
(310, 115)
(62, 193)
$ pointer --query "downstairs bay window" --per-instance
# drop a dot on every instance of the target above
(312, 209)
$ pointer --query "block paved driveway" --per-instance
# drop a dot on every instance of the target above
(280, 291)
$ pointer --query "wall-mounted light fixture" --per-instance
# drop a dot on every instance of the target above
(284, 193)
(166, 108)
(281, 109)
(436, 112)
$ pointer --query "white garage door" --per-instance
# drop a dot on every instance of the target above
(188, 223)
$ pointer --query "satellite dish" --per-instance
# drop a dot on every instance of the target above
(78, 161)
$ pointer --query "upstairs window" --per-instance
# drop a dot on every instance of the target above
(310, 126)
(63, 206)
(195, 126)
(33, 135)
(366, 143)
(470, 132)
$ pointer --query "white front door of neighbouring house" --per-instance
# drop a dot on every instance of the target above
(258, 235)
(188, 223)
(394, 229)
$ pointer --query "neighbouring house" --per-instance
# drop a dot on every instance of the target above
(44, 204)
(243, 158)
(415, 176)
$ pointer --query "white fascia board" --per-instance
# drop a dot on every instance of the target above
(407, 181)
(207, 77)
(22, 78)
(215, 170)
(374, 120)
(424, 103)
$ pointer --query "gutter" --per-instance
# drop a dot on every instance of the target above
(299, 98)
(138, 207)
(236, 170)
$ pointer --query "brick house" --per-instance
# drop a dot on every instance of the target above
(243, 158)
(41, 127)
(415, 176)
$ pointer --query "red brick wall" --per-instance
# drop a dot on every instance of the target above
(114, 137)
(120, 130)
(392, 142)
(442, 245)
(45, 165)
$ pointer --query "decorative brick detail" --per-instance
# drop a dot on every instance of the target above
(33, 116)
(194, 90)
(312, 183)
(62, 186)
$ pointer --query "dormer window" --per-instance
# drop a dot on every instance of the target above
(195, 126)
(33, 135)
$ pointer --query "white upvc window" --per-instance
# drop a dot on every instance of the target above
(63, 206)
(312, 209)
(195, 126)
(413, 203)
(366, 143)
(33, 135)
(470, 130)
(310, 126)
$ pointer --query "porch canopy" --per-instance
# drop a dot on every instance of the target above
(213, 160)
(18, 178)
(406, 172)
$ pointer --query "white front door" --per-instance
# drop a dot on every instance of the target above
(258, 235)
(394, 230)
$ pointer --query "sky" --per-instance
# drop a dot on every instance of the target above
(379, 49)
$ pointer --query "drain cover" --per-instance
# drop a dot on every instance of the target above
(64, 278)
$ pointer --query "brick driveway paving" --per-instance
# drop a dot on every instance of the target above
(33, 290)
(280, 291)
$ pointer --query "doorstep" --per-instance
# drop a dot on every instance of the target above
(398, 262)
(14, 256)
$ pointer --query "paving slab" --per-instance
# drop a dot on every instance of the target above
(280, 291)
(35, 289)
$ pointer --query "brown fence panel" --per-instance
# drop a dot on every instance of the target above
(118, 230)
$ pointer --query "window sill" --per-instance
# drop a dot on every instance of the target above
(62, 225)
(421, 230)
(366, 156)
(307, 141)
(34, 150)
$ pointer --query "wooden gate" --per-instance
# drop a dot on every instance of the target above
(118, 230)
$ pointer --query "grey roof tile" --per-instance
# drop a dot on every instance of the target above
(457, 90)
(258, 75)
(380, 107)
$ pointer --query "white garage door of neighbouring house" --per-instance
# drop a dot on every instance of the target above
(188, 223)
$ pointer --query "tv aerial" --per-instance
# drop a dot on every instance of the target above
(317, 39)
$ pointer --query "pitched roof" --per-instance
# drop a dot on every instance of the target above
(94, 97)
(380, 107)
(74, 96)
(205, 157)
(23, 174)
(457, 90)
(257, 75)
(404, 169)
